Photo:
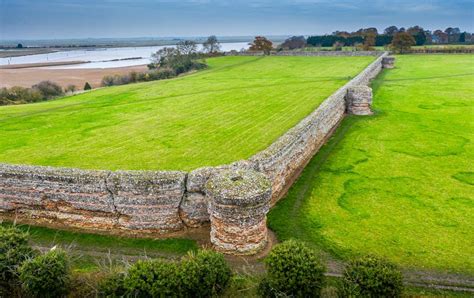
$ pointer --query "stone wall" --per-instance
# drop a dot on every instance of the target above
(309, 54)
(162, 201)
(94, 200)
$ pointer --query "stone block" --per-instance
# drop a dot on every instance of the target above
(194, 210)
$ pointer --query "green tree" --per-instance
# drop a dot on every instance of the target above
(369, 41)
(87, 86)
(402, 42)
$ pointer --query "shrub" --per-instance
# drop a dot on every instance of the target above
(155, 278)
(48, 89)
(112, 286)
(87, 86)
(46, 275)
(293, 269)
(16, 95)
(70, 88)
(161, 74)
(14, 250)
(371, 277)
(204, 274)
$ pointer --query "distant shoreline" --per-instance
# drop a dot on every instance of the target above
(75, 44)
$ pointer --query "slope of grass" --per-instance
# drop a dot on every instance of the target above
(220, 115)
(90, 251)
(400, 183)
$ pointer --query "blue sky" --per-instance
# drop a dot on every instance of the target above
(39, 19)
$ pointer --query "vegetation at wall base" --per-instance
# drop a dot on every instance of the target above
(48, 237)
(14, 250)
(47, 275)
(346, 203)
(371, 276)
(293, 270)
(204, 274)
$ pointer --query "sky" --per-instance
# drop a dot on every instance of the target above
(56, 19)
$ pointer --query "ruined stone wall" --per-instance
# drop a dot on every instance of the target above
(160, 201)
(308, 54)
(95, 200)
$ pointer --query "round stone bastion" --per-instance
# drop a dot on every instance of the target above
(359, 100)
(239, 201)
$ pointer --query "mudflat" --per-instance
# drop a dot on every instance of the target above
(26, 77)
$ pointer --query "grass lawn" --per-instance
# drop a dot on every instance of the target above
(226, 113)
(399, 184)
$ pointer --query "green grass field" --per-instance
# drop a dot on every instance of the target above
(399, 184)
(226, 113)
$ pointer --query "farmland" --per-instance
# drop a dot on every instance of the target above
(230, 111)
(400, 183)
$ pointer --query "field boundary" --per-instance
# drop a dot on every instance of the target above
(308, 54)
(141, 203)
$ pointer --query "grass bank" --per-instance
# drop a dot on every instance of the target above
(92, 250)
(400, 183)
(229, 112)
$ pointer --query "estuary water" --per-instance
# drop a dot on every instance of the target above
(103, 57)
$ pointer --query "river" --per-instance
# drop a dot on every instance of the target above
(102, 57)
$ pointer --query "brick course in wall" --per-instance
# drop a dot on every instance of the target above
(163, 201)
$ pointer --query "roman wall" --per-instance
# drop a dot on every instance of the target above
(158, 202)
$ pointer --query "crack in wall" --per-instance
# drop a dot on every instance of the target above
(112, 198)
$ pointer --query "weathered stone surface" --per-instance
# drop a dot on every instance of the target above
(57, 194)
(197, 179)
(238, 204)
(359, 100)
(98, 200)
(149, 200)
(388, 62)
(194, 210)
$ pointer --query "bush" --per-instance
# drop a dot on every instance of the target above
(204, 274)
(14, 250)
(112, 286)
(46, 275)
(70, 88)
(155, 278)
(87, 86)
(48, 89)
(371, 277)
(293, 269)
(17, 95)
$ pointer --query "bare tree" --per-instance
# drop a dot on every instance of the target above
(211, 45)
(187, 47)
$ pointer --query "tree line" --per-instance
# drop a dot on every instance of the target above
(421, 36)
